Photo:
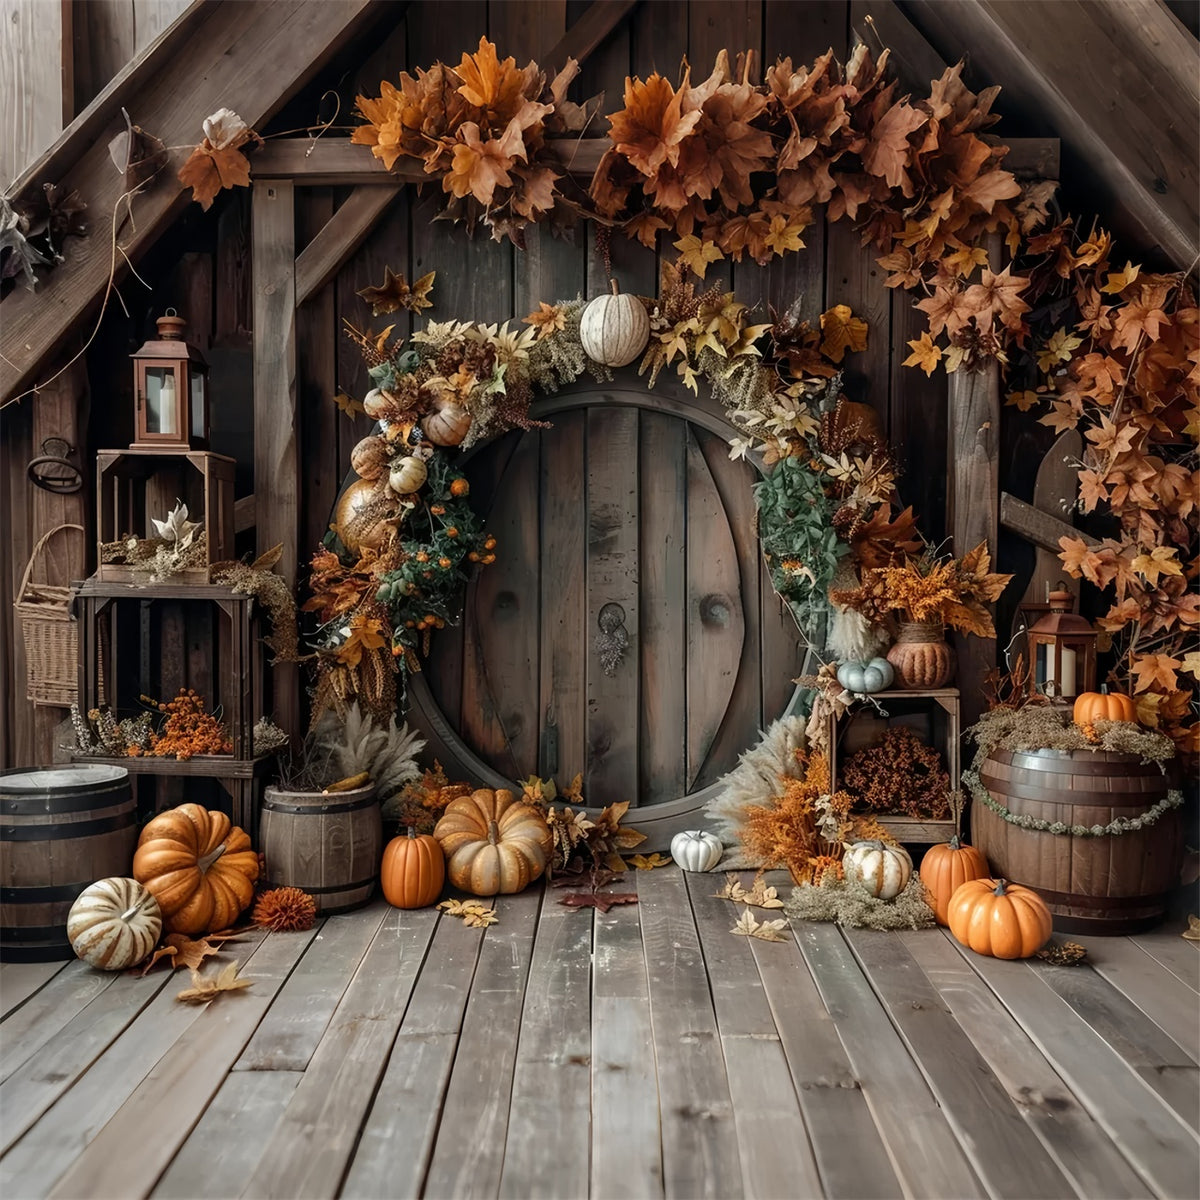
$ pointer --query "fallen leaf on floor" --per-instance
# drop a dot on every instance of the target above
(471, 912)
(602, 901)
(160, 953)
(184, 951)
(733, 889)
(1062, 954)
(205, 987)
(481, 920)
(760, 895)
(768, 931)
(647, 862)
(1192, 932)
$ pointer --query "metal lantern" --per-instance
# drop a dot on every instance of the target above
(1062, 649)
(170, 387)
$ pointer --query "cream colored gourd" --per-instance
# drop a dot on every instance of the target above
(696, 850)
(448, 423)
(883, 870)
(407, 475)
(114, 924)
(614, 329)
(369, 458)
(494, 843)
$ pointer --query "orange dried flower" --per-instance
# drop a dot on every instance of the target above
(285, 909)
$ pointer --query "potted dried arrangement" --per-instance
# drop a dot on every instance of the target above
(327, 800)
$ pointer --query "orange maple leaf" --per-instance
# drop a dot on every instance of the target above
(366, 633)
(888, 153)
(925, 354)
(997, 295)
(698, 254)
(1110, 438)
(1075, 555)
(1160, 669)
(842, 331)
(480, 167)
(651, 126)
(208, 170)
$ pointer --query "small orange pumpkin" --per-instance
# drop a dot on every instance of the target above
(999, 919)
(1104, 706)
(199, 867)
(414, 869)
(493, 843)
(945, 868)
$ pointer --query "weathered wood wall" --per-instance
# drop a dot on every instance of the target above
(201, 266)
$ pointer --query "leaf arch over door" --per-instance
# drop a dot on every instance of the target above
(627, 542)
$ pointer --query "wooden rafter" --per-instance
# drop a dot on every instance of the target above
(589, 32)
(321, 259)
(212, 57)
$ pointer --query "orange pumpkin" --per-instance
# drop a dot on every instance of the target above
(493, 843)
(199, 866)
(414, 869)
(1104, 706)
(999, 919)
(945, 868)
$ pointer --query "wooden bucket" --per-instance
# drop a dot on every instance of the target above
(1111, 884)
(328, 846)
(61, 829)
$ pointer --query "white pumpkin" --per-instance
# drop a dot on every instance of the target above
(882, 869)
(448, 423)
(407, 475)
(696, 850)
(114, 924)
(614, 329)
(863, 678)
(375, 404)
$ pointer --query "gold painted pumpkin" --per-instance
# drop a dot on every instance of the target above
(351, 518)
(614, 329)
(407, 475)
(493, 843)
(448, 423)
(999, 919)
(945, 868)
(114, 924)
(1104, 706)
(199, 866)
(414, 870)
(882, 869)
(369, 458)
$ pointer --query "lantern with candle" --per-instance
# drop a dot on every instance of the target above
(170, 387)
(1062, 650)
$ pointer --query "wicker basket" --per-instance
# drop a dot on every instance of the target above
(51, 637)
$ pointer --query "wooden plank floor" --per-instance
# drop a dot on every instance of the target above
(646, 1052)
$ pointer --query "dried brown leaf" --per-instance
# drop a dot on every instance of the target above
(205, 987)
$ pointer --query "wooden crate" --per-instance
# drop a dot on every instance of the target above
(935, 715)
(133, 486)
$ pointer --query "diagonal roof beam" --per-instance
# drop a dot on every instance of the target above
(212, 57)
(600, 19)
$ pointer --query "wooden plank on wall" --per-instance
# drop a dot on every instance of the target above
(31, 82)
(276, 448)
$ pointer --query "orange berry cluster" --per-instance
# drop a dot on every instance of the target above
(489, 546)
(189, 729)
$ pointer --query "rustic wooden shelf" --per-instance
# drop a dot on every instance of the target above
(206, 766)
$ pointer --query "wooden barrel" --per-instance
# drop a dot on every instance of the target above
(1111, 884)
(328, 846)
(61, 829)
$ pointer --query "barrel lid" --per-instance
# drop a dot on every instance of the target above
(72, 776)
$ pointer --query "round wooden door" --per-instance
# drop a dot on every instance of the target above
(627, 631)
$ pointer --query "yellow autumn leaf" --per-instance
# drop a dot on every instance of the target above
(1118, 281)
(843, 331)
(924, 354)
(784, 235)
(697, 253)
(1058, 349)
(1023, 401)
(1162, 560)
(647, 862)
(1191, 663)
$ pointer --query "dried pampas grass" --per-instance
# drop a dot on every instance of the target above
(758, 779)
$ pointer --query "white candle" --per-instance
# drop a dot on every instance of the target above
(1068, 671)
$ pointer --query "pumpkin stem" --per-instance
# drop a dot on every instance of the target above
(493, 833)
(613, 284)
(999, 888)
(955, 844)
(208, 860)
(412, 833)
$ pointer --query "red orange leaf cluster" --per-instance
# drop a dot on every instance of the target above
(218, 162)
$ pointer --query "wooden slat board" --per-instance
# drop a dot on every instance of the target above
(644, 1052)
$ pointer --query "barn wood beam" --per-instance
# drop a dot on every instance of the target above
(1142, 167)
(341, 235)
(880, 24)
(1040, 528)
(212, 57)
(601, 18)
(339, 162)
(276, 448)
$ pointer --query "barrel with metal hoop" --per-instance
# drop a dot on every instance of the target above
(327, 845)
(61, 829)
(1098, 835)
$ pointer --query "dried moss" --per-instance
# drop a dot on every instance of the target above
(1040, 727)
(848, 903)
(273, 593)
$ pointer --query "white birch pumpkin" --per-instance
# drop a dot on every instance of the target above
(113, 924)
(883, 870)
(696, 850)
(614, 329)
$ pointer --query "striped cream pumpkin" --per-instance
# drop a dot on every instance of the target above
(114, 924)
(614, 329)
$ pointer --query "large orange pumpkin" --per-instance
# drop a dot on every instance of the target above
(1000, 919)
(493, 843)
(1104, 706)
(199, 866)
(414, 869)
(945, 868)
